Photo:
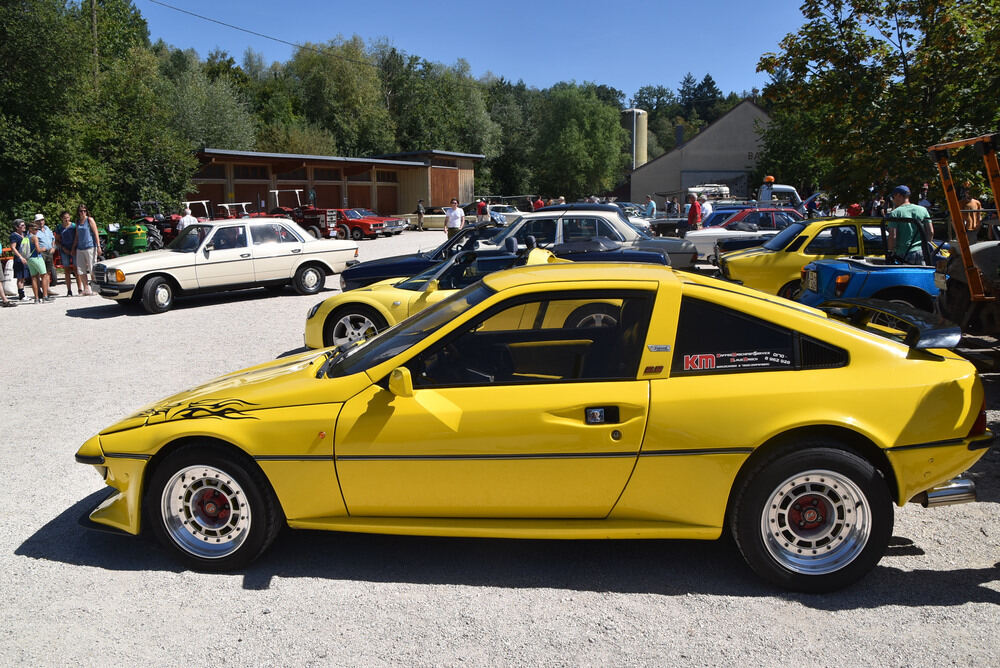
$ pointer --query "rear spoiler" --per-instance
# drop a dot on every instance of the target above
(921, 329)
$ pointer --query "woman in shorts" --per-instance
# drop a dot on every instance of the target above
(36, 267)
(86, 247)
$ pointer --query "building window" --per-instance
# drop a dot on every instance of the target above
(326, 174)
(294, 175)
(385, 176)
(444, 162)
(363, 176)
(211, 171)
(259, 172)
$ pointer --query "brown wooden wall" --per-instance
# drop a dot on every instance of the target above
(359, 196)
(328, 196)
(444, 185)
(387, 205)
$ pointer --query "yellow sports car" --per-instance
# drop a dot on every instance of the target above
(361, 313)
(775, 267)
(701, 404)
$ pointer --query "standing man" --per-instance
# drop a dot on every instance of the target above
(971, 208)
(186, 219)
(481, 214)
(649, 211)
(538, 203)
(86, 247)
(420, 215)
(706, 207)
(47, 244)
(694, 214)
(904, 238)
(455, 218)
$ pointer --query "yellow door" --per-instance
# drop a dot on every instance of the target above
(509, 451)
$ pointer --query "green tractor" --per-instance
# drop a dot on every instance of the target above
(123, 238)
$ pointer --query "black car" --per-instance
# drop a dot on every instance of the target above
(598, 249)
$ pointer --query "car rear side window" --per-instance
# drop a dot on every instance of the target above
(543, 229)
(714, 339)
(837, 239)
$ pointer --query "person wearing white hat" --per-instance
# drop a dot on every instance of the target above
(47, 242)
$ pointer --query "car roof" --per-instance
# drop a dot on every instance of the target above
(579, 271)
(580, 206)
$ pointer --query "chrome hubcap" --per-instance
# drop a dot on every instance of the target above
(816, 522)
(205, 512)
(597, 320)
(311, 278)
(162, 295)
(352, 328)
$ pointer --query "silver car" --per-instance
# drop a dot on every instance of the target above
(578, 222)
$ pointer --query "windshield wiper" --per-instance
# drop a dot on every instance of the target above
(331, 356)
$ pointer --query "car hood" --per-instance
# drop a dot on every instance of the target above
(670, 244)
(288, 381)
(158, 259)
(383, 262)
(748, 253)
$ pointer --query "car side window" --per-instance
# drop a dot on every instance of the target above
(543, 229)
(606, 229)
(874, 242)
(230, 237)
(579, 229)
(571, 336)
(270, 233)
(782, 220)
(833, 240)
(714, 339)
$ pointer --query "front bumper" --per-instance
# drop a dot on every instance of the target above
(123, 474)
(115, 290)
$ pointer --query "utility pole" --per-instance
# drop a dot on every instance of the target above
(93, 23)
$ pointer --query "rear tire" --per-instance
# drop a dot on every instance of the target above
(212, 509)
(814, 519)
(343, 232)
(309, 279)
(154, 238)
(791, 290)
(157, 295)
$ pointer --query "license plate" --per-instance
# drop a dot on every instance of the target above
(811, 281)
(940, 280)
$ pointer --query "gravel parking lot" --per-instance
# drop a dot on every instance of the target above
(71, 596)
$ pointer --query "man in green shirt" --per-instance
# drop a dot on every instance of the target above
(905, 240)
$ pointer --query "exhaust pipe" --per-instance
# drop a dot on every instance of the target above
(956, 490)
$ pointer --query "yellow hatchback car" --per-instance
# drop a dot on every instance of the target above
(775, 266)
(359, 314)
(491, 413)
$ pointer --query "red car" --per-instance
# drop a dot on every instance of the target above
(352, 224)
(390, 225)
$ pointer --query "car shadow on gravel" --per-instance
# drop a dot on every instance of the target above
(109, 309)
(662, 567)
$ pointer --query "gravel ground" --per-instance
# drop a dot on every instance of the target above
(72, 596)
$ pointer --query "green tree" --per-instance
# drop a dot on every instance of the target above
(342, 93)
(580, 142)
(209, 113)
(884, 81)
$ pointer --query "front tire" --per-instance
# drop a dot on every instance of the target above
(212, 509)
(157, 295)
(350, 324)
(357, 233)
(309, 279)
(314, 231)
(815, 519)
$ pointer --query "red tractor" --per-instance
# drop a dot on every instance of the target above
(237, 210)
(321, 223)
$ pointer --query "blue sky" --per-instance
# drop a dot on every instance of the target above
(624, 45)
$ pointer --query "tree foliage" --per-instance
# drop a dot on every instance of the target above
(869, 86)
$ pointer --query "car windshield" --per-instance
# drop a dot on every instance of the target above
(782, 238)
(353, 214)
(367, 212)
(411, 331)
(189, 239)
(459, 273)
(719, 217)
